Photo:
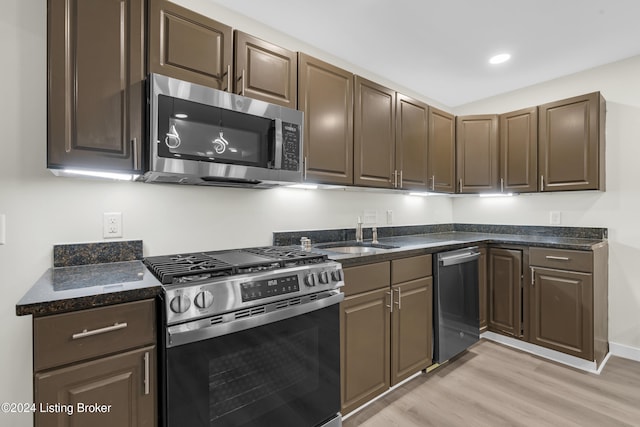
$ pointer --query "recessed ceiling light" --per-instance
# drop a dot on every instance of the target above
(499, 59)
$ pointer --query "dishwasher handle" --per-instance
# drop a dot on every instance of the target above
(459, 258)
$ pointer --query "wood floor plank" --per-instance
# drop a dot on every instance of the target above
(494, 385)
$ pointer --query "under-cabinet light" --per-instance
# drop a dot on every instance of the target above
(304, 186)
(99, 174)
(181, 116)
(424, 194)
(496, 194)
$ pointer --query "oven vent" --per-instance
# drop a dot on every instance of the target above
(283, 304)
(249, 312)
(295, 301)
(215, 320)
(313, 297)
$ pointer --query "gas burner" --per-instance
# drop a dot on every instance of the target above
(183, 268)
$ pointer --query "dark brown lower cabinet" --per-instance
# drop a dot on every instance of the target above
(505, 291)
(110, 391)
(364, 347)
(385, 327)
(561, 311)
(411, 322)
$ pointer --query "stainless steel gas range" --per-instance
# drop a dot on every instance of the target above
(251, 338)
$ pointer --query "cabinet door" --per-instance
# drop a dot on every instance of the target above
(519, 151)
(374, 133)
(441, 155)
(95, 84)
(364, 347)
(122, 385)
(412, 327)
(325, 95)
(482, 288)
(477, 153)
(189, 46)
(505, 291)
(412, 120)
(571, 144)
(562, 311)
(265, 71)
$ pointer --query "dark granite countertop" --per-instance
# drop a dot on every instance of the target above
(444, 237)
(63, 289)
(87, 275)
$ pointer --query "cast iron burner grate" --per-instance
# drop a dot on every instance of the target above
(183, 268)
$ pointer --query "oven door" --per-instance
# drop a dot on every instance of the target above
(285, 373)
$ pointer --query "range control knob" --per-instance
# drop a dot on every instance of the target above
(310, 280)
(324, 277)
(336, 275)
(180, 304)
(203, 299)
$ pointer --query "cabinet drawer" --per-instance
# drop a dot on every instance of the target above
(365, 278)
(406, 269)
(561, 259)
(70, 337)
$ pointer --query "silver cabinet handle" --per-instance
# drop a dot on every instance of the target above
(541, 182)
(85, 333)
(502, 185)
(533, 280)
(399, 302)
(557, 258)
(229, 78)
(460, 184)
(146, 372)
(400, 178)
(390, 307)
(243, 85)
(134, 153)
(305, 162)
(395, 178)
(433, 182)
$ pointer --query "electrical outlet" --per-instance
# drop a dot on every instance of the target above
(112, 225)
(389, 217)
(370, 216)
(3, 229)
(555, 217)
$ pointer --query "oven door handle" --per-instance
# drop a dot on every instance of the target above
(203, 329)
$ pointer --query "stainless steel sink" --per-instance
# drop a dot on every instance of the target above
(356, 248)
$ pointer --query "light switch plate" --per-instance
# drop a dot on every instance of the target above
(3, 229)
(555, 218)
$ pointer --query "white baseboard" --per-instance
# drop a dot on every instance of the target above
(624, 351)
(556, 356)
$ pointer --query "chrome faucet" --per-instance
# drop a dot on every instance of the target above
(374, 231)
(359, 231)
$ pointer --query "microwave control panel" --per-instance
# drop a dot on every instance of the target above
(290, 146)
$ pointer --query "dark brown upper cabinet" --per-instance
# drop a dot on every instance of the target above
(374, 134)
(477, 153)
(519, 151)
(325, 95)
(265, 71)
(412, 124)
(571, 144)
(441, 154)
(96, 72)
(189, 46)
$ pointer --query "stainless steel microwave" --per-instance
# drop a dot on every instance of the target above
(200, 135)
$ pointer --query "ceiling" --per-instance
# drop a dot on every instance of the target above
(440, 49)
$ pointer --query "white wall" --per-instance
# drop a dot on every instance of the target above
(617, 209)
(43, 210)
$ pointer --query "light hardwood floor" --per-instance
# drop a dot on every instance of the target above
(493, 385)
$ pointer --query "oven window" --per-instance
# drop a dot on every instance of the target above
(189, 130)
(283, 373)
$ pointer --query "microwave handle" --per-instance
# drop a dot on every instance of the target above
(277, 161)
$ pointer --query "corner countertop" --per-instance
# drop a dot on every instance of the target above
(411, 245)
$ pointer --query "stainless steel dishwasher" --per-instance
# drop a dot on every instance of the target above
(456, 313)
